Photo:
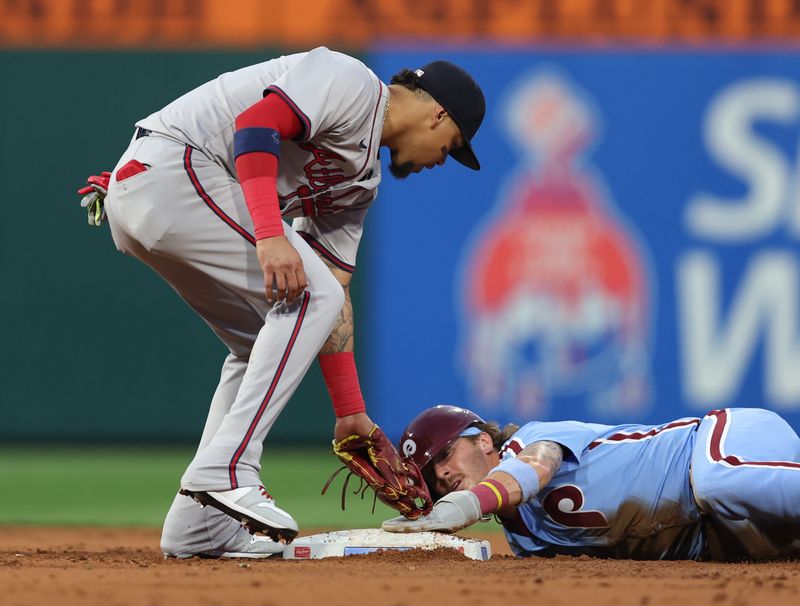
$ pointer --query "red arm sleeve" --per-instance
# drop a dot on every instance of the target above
(258, 171)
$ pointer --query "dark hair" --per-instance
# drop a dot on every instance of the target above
(410, 80)
(499, 436)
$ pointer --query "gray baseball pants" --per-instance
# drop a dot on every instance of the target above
(186, 218)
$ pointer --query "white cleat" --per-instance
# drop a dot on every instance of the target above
(255, 547)
(244, 545)
(253, 507)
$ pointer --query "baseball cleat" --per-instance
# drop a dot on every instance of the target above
(253, 507)
(254, 547)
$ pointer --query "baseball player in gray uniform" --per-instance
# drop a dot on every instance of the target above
(204, 194)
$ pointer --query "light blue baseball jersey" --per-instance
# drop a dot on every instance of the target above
(621, 491)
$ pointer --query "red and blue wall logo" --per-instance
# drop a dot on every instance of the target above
(555, 294)
(628, 252)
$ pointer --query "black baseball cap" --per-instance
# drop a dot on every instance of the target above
(460, 95)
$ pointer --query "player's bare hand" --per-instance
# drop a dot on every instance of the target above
(284, 276)
(452, 512)
(357, 424)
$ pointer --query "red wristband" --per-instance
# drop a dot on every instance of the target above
(341, 378)
(491, 494)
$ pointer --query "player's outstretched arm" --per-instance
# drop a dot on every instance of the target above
(351, 416)
(543, 458)
(358, 442)
(513, 482)
(338, 367)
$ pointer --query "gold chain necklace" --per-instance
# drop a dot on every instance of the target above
(388, 100)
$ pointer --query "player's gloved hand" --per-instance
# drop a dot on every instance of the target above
(284, 276)
(452, 512)
(94, 195)
(369, 454)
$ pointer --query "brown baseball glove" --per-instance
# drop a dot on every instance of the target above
(374, 460)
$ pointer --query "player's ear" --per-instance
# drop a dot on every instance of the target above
(438, 115)
(485, 442)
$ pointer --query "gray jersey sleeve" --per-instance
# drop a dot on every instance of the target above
(327, 90)
(334, 237)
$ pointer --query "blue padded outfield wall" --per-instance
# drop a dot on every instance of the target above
(629, 251)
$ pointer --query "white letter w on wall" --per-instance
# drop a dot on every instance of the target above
(718, 347)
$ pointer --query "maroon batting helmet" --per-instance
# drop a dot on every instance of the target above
(433, 430)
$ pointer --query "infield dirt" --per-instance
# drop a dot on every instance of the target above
(115, 566)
